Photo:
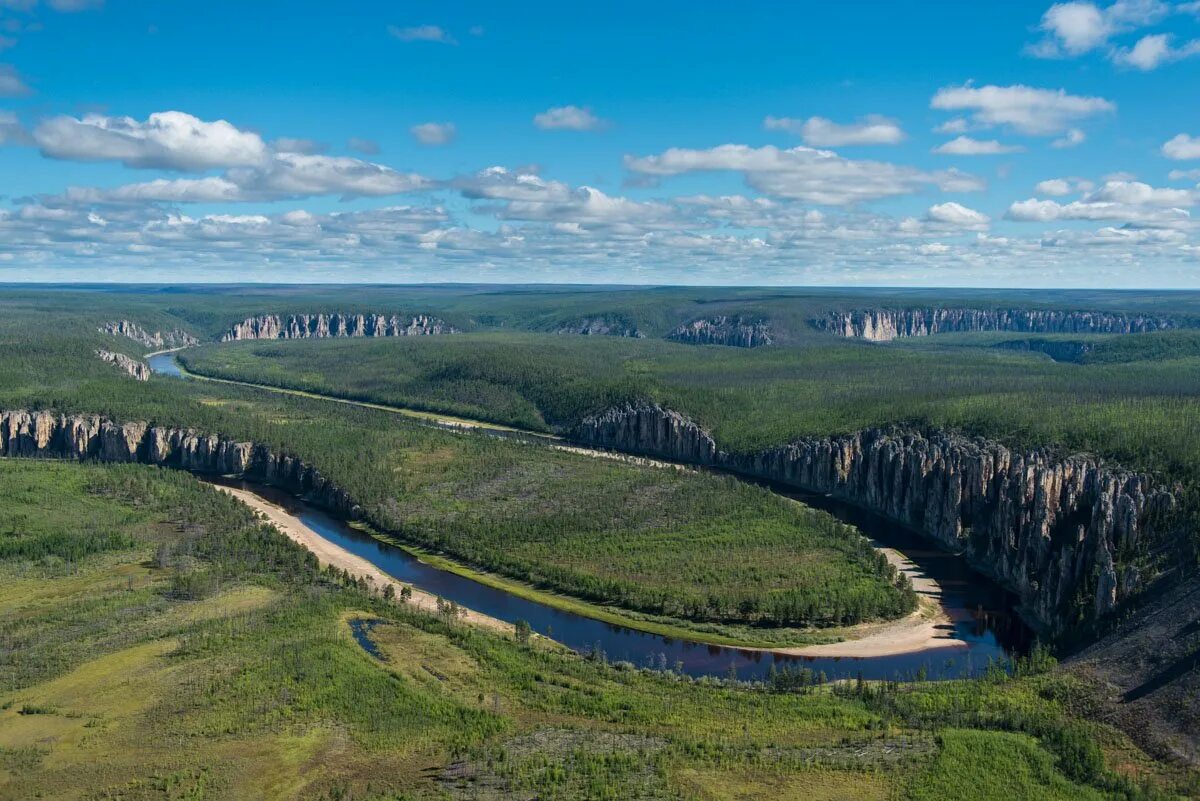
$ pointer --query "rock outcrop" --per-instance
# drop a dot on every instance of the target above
(735, 331)
(44, 434)
(135, 368)
(1060, 532)
(321, 326)
(176, 338)
(883, 325)
(600, 326)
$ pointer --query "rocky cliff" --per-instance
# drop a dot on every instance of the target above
(736, 331)
(139, 370)
(600, 326)
(176, 338)
(1060, 532)
(882, 325)
(48, 435)
(321, 326)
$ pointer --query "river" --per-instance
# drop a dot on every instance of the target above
(980, 614)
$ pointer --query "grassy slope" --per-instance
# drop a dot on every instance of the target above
(124, 681)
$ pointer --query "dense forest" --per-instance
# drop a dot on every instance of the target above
(249, 659)
(648, 541)
(1133, 400)
(249, 682)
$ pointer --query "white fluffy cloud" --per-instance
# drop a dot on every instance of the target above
(1075, 28)
(1182, 147)
(434, 133)
(568, 118)
(956, 214)
(161, 190)
(803, 173)
(1131, 202)
(500, 183)
(285, 175)
(254, 171)
(525, 196)
(170, 140)
(1028, 110)
(1154, 50)
(1034, 210)
(1058, 187)
(300, 175)
(1055, 187)
(794, 245)
(1141, 194)
(966, 146)
(820, 132)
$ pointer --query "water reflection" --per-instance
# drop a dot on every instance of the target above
(981, 614)
(618, 643)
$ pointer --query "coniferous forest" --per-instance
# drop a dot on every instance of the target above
(159, 639)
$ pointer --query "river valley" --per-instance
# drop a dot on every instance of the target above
(968, 622)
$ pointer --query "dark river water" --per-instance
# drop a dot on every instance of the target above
(981, 613)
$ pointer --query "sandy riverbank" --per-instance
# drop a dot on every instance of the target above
(924, 629)
(329, 554)
(927, 628)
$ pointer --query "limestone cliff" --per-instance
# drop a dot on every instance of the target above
(1060, 532)
(176, 338)
(81, 436)
(882, 325)
(735, 331)
(600, 326)
(321, 326)
(139, 370)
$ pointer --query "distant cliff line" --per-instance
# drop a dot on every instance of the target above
(322, 326)
(1061, 533)
(176, 338)
(883, 325)
(734, 331)
(44, 434)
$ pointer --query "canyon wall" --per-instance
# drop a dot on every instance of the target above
(738, 332)
(600, 326)
(139, 370)
(176, 338)
(321, 326)
(882, 325)
(1058, 532)
(82, 436)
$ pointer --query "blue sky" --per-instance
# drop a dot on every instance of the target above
(1005, 144)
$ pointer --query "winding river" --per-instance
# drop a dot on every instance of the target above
(980, 626)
